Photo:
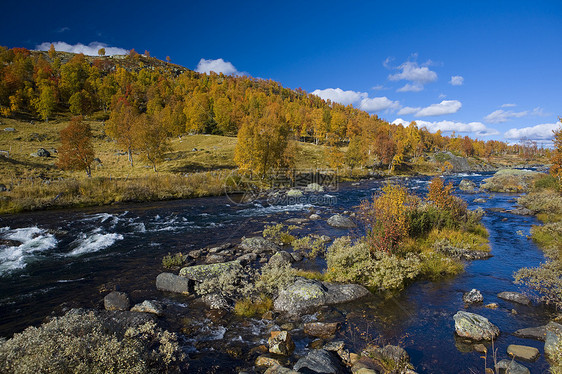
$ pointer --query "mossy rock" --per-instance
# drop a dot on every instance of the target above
(201, 273)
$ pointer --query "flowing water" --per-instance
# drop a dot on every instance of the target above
(51, 261)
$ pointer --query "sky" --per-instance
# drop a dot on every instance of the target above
(487, 69)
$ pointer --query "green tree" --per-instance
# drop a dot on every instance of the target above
(101, 52)
(150, 139)
(46, 102)
(76, 151)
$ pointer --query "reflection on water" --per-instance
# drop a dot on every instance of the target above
(60, 259)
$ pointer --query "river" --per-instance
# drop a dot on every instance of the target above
(54, 260)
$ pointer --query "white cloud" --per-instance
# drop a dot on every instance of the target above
(415, 87)
(442, 96)
(538, 132)
(89, 50)
(377, 104)
(63, 29)
(337, 95)
(449, 126)
(456, 80)
(408, 110)
(444, 107)
(500, 116)
(218, 66)
(416, 74)
(378, 87)
(508, 105)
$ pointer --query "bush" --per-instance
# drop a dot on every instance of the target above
(547, 182)
(457, 239)
(274, 277)
(310, 274)
(83, 343)
(428, 217)
(544, 280)
(279, 233)
(310, 245)
(173, 260)
(232, 283)
(249, 307)
(435, 266)
(548, 204)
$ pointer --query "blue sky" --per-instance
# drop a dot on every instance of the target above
(489, 69)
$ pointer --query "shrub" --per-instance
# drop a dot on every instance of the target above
(310, 274)
(442, 197)
(83, 343)
(544, 280)
(279, 233)
(249, 307)
(173, 260)
(232, 283)
(435, 266)
(428, 217)
(310, 245)
(274, 277)
(547, 182)
(548, 204)
(549, 237)
(457, 239)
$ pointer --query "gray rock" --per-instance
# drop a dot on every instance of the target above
(215, 258)
(474, 326)
(341, 222)
(537, 333)
(148, 306)
(200, 273)
(281, 258)
(116, 301)
(511, 367)
(467, 185)
(314, 187)
(515, 297)
(521, 211)
(216, 301)
(172, 283)
(319, 361)
(297, 256)
(307, 294)
(553, 336)
(510, 180)
(523, 352)
(473, 296)
(42, 152)
(258, 245)
(9, 129)
(247, 258)
(480, 200)
(314, 217)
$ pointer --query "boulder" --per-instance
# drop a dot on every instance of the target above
(319, 361)
(294, 193)
(200, 273)
(267, 361)
(306, 294)
(511, 180)
(281, 258)
(523, 352)
(479, 200)
(148, 306)
(536, 333)
(553, 336)
(172, 283)
(258, 245)
(321, 329)
(215, 301)
(467, 185)
(297, 256)
(515, 297)
(314, 217)
(215, 258)
(42, 152)
(473, 296)
(474, 326)
(247, 258)
(341, 222)
(280, 343)
(276, 369)
(314, 187)
(116, 301)
(511, 367)
(521, 211)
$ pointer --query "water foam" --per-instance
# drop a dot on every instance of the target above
(94, 242)
(32, 239)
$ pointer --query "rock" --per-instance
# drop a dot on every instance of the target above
(480, 348)
(276, 369)
(294, 193)
(537, 333)
(220, 248)
(515, 297)
(523, 352)
(3, 187)
(553, 336)
(511, 367)
(474, 326)
(116, 301)
(314, 217)
(314, 187)
(480, 200)
(315, 344)
(200, 273)
(473, 296)
(281, 258)
(341, 222)
(307, 294)
(267, 361)
(148, 306)
(258, 245)
(321, 329)
(247, 258)
(215, 258)
(462, 253)
(215, 301)
(297, 256)
(296, 221)
(467, 185)
(41, 152)
(280, 343)
(9, 129)
(172, 283)
(511, 180)
(492, 306)
(319, 361)
(521, 211)
(288, 326)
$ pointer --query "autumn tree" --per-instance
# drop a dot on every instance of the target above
(46, 102)
(150, 139)
(264, 143)
(76, 151)
(101, 52)
(121, 124)
(556, 159)
(52, 52)
(441, 195)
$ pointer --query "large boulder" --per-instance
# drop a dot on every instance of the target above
(201, 273)
(281, 258)
(116, 301)
(172, 283)
(319, 361)
(511, 180)
(515, 297)
(306, 294)
(341, 222)
(467, 185)
(258, 245)
(553, 336)
(474, 326)
(511, 367)
(459, 164)
(537, 333)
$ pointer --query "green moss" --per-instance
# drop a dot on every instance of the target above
(249, 307)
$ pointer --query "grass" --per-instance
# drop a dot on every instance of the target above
(249, 307)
